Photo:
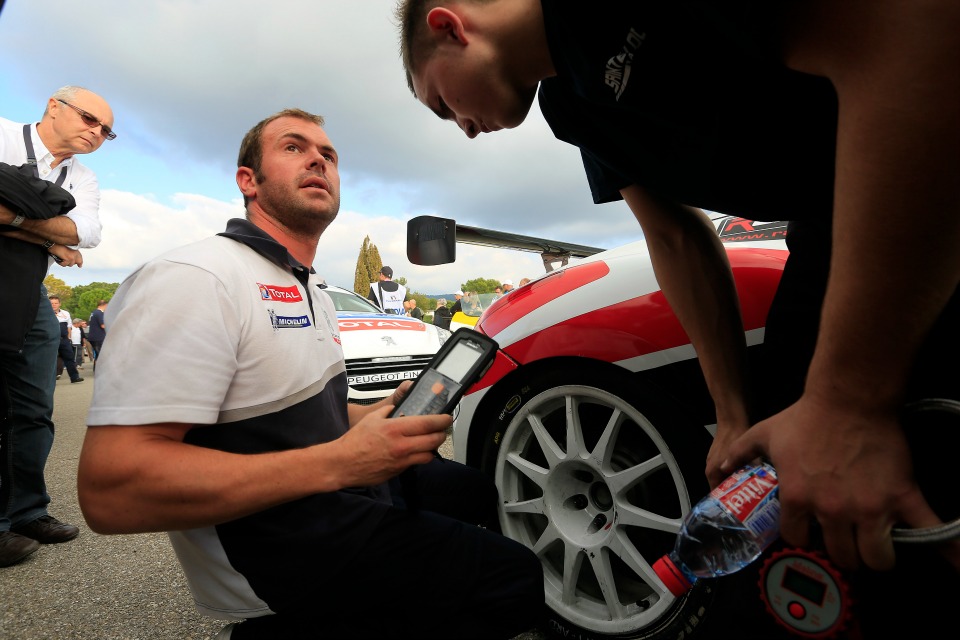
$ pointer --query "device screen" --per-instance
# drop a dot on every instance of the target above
(804, 586)
(440, 385)
(458, 362)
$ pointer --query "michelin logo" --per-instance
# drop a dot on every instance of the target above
(288, 322)
(617, 73)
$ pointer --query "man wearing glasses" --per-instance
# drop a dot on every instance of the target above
(75, 121)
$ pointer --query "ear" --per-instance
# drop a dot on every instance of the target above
(246, 181)
(446, 23)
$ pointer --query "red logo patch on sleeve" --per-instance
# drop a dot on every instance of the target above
(279, 294)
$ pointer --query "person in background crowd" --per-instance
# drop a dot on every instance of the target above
(458, 305)
(75, 121)
(65, 352)
(506, 286)
(471, 303)
(98, 330)
(387, 294)
(273, 487)
(442, 315)
(76, 337)
(413, 310)
(87, 347)
(523, 281)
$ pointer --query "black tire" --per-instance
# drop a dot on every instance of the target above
(600, 505)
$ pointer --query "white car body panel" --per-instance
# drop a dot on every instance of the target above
(381, 350)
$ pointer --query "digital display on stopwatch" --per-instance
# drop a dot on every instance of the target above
(805, 593)
(804, 586)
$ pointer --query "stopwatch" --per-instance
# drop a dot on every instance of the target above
(805, 593)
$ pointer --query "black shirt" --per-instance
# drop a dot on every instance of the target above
(686, 99)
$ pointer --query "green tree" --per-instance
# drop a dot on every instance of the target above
(87, 301)
(481, 285)
(86, 297)
(376, 263)
(57, 287)
(368, 266)
(422, 300)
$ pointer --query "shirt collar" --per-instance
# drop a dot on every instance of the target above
(245, 232)
(42, 153)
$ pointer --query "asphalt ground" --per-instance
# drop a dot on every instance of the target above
(95, 587)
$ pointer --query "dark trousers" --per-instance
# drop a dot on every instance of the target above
(95, 346)
(65, 351)
(426, 575)
(26, 424)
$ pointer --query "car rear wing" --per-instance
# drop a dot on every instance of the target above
(432, 240)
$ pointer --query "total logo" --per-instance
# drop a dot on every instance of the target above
(350, 324)
(279, 294)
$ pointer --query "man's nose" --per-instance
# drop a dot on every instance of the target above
(319, 160)
(468, 127)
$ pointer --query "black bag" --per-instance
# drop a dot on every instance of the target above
(23, 265)
(23, 192)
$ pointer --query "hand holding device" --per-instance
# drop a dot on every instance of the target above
(460, 363)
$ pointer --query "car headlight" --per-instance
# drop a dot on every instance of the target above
(443, 335)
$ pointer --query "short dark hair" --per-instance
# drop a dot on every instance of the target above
(53, 296)
(410, 17)
(251, 148)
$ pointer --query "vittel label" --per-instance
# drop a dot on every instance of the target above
(743, 493)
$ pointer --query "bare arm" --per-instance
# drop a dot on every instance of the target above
(840, 451)
(693, 271)
(64, 255)
(134, 479)
(60, 229)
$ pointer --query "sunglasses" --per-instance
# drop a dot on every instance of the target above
(91, 120)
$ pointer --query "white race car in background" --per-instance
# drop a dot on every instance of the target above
(595, 421)
(381, 350)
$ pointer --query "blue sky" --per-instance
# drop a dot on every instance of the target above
(187, 78)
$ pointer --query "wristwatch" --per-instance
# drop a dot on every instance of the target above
(18, 220)
(48, 244)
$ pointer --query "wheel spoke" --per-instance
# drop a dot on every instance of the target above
(632, 516)
(546, 539)
(606, 445)
(534, 506)
(623, 480)
(608, 586)
(537, 474)
(631, 556)
(572, 566)
(551, 450)
(575, 442)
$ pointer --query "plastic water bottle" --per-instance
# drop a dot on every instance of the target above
(725, 531)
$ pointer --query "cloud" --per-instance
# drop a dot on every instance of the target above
(187, 78)
(137, 228)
